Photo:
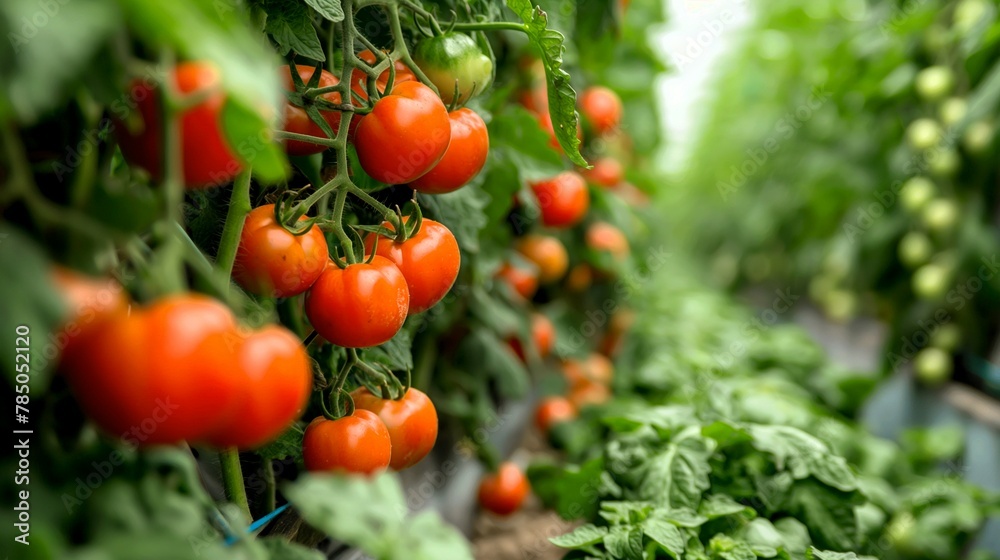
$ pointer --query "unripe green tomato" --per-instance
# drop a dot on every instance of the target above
(944, 163)
(840, 305)
(901, 531)
(915, 249)
(947, 337)
(940, 214)
(933, 366)
(935, 82)
(953, 110)
(916, 193)
(454, 57)
(978, 137)
(935, 38)
(923, 134)
(930, 281)
(968, 13)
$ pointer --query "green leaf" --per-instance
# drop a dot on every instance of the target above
(515, 136)
(250, 136)
(803, 455)
(461, 211)
(572, 491)
(679, 474)
(816, 554)
(728, 548)
(583, 535)
(288, 445)
(32, 303)
(130, 208)
(624, 543)
(562, 97)
(666, 535)
(715, 506)
(827, 512)
(496, 360)
(681, 517)
(726, 434)
(330, 9)
(53, 44)
(290, 24)
(280, 549)
(396, 353)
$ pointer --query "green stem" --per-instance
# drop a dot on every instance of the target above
(399, 45)
(386, 212)
(328, 142)
(232, 479)
(338, 225)
(491, 26)
(269, 486)
(239, 207)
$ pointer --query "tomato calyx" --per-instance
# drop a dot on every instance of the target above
(378, 379)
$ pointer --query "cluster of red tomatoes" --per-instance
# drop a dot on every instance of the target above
(563, 203)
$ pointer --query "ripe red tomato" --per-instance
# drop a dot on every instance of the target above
(521, 280)
(271, 261)
(356, 444)
(89, 302)
(273, 392)
(548, 254)
(359, 306)
(504, 491)
(429, 260)
(607, 172)
(563, 200)
(553, 410)
(412, 423)
(602, 236)
(296, 119)
(601, 108)
(161, 375)
(543, 335)
(596, 368)
(589, 394)
(207, 157)
(405, 135)
(580, 277)
(464, 159)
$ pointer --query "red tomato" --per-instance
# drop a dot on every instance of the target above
(207, 158)
(589, 394)
(296, 119)
(553, 410)
(359, 306)
(563, 200)
(504, 491)
(548, 254)
(357, 444)
(271, 261)
(161, 375)
(89, 302)
(602, 236)
(579, 278)
(274, 390)
(412, 422)
(601, 108)
(543, 335)
(595, 369)
(405, 135)
(522, 281)
(429, 260)
(464, 159)
(607, 172)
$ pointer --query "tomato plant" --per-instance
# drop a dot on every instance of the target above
(206, 155)
(429, 261)
(548, 254)
(606, 172)
(271, 260)
(522, 281)
(504, 491)
(412, 423)
(361, 305)
(355, 444)
(553, 410)
(543, 334)
(604, 237)
(464, 158)
(297, 121)
(601, 109)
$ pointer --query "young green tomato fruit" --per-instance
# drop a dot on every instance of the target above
(934, 82)
(947, 337)
(924, 134)
(953, 110)
(916, 193)
(978, 137)
(933, 366)
(915, 248)
(968, 13)
(944, 163)
(454, 58)
(840, 305)
(412, 423)
(940, 214)
(930, 281)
